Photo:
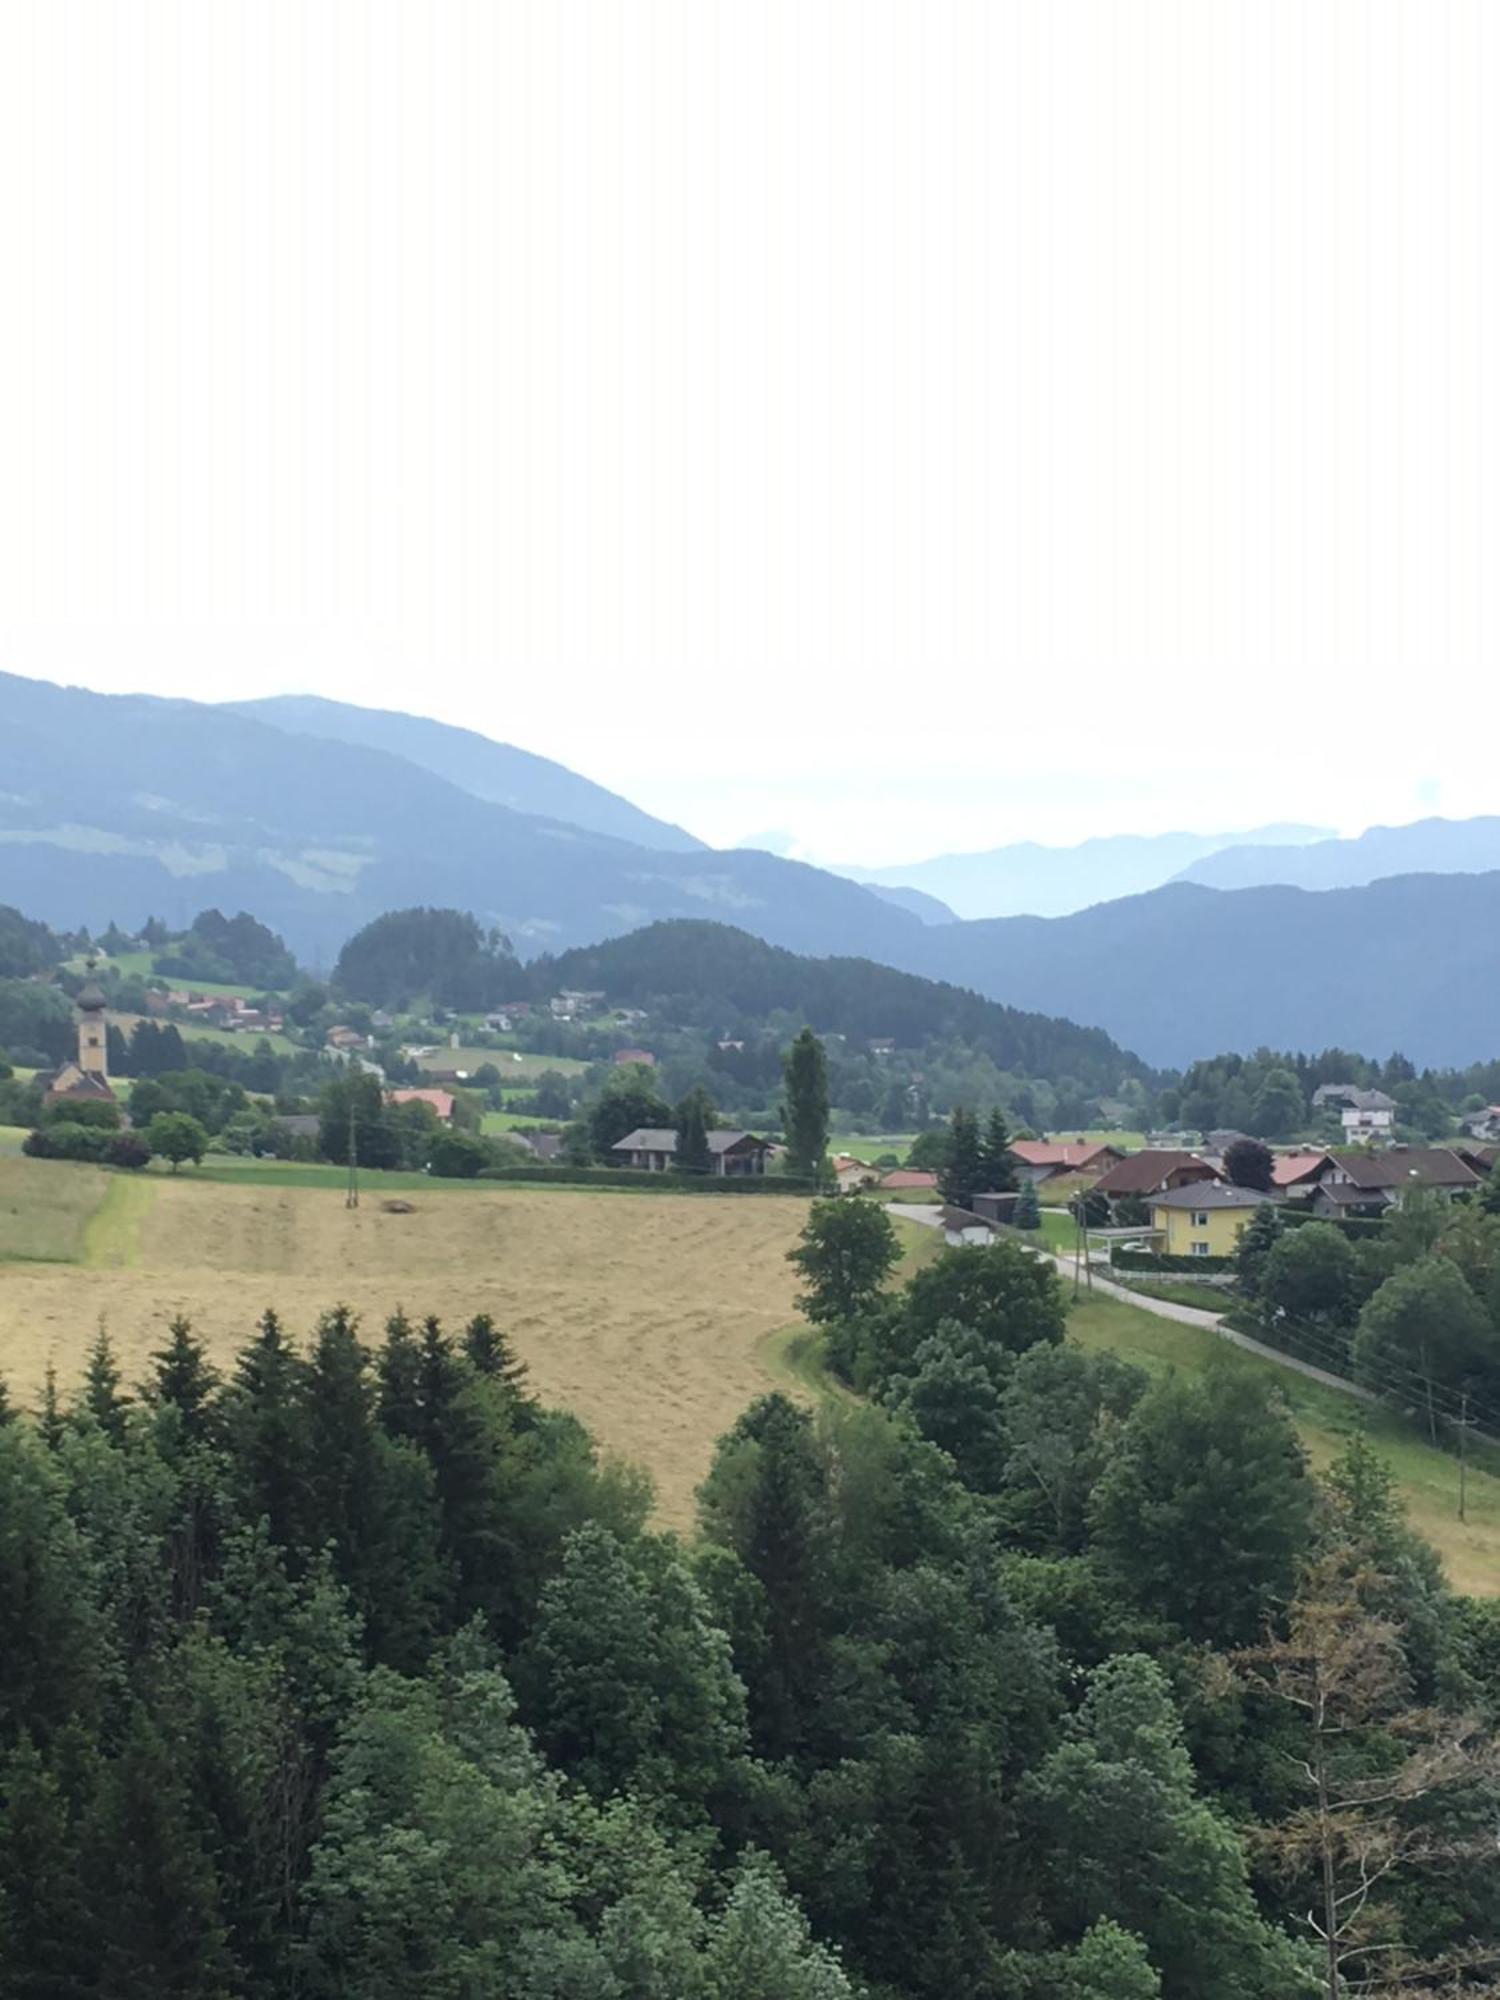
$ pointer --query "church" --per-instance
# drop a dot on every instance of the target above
(87, 1075)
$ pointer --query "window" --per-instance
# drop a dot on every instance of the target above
(1200, 1249)
(1200, 1219)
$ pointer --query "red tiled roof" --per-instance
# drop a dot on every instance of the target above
(1289, 1168)
(440, 1100)
(908, 1177)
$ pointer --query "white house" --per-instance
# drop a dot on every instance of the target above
(1368, 1114)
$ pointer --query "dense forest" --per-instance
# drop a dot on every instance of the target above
(359, 1673)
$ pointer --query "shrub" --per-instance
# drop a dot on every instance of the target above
(101, 1113)
(65, 1141)
(126, 1149)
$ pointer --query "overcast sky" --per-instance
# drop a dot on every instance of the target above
(910, 425)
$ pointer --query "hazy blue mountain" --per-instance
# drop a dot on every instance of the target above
(498, 772)
(1428, 846)
(1028, 879)
(928, 908)
(123, 806)
(1409, 963)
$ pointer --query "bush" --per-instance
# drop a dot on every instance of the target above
(1159, 1260)
(101, 1113)
(65, 1141)
(126, 1149)
(457, 1156)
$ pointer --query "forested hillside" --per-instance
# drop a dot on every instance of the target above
(715, 976)
(359, 1674)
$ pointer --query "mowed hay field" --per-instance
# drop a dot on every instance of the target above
(648, 1315)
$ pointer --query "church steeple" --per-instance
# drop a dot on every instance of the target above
(93, 1042)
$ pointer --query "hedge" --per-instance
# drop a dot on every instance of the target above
(1158, 1260)
(1352, 1226)
(634, 1181)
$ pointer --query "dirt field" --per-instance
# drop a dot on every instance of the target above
(645, 1315)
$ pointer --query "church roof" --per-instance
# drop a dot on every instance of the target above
(91, 996)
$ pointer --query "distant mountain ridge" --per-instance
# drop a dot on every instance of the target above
(1030, 879)
(496, 772)
(1427, 846)
(122, 806)
(1411, 962)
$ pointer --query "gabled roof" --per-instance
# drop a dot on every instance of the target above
(1144, 1173)
(1406, 1166)
(908, 1177)
(1209, 1194)
(663, 1139)
(441, 1101)
(1288, 1169)
(1056, 1153)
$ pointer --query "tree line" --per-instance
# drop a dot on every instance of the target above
(359, 1671)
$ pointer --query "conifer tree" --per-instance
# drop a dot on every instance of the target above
(50, 1421)
(960, 1177)
(491, 1354)
(184, 1380)
(997, 1163)
(695, 1115)
(266, 1413)
(101, 1394)
(807, 1105)
(1027, 1213)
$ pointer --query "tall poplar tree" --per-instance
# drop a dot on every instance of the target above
(806, 1069)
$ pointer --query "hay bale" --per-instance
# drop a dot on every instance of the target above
(398, 1208)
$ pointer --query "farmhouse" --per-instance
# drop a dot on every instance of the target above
(653, 1149)
(1202, 1218)
(623, 1058)
(909, 1180)
(1039, 1160)
(851, 1174)
(1155, 1172)
(1293, 1172)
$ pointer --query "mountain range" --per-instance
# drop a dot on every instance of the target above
(1029, 879)
(317, 817)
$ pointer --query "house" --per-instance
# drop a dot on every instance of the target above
(1219, 1142)
(1154, 1171)
(624, 1057)
(909, 1180)
(653, 1150)
(1293, 1173)
(348, 1038)
(544, 1147)
(1362, 1183)
(881, 1045)
(440, 1101)
(1202, 1218)
(1369, 1114)
(1333, 1096)
(1485, 1124)
(570, 1006)
(1039, 1160)
(851, 1174)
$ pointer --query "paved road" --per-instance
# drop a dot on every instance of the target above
(1211, 1322)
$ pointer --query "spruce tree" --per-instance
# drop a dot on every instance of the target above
(101, 1393)
(806, 1108)
(695, 1115)
(1027, 1213)
(491, 1355)
(997, 1163)
(266, 1413)
(961, 1171)
(184, 1380)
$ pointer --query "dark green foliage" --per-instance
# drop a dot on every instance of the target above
(1309, 1274)
(26, 947)
(1203, 1511)
(997, 1163)
(629, 1100)
(694, 1119)
(807, 1102)
(961, 1171)
(1424, 1330)
(228, 949)
(101, 1395)
(440, 954)
(458, 1156)
(1001, 1293)
(99, 1113)
(355, 1100)
(1248, 1164)
(1027, 1213)
(1257, 1240)
(846, 1253)
(175, 1136)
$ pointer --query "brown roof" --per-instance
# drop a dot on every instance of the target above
(1054, 1153)
(1144, 1173)
(908, 1177)
(1400, 1166)
(440, 1100)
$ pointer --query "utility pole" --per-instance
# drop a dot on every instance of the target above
(1463, 1457)
(351, 1197)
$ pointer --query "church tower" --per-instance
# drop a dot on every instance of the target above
(93, 1044)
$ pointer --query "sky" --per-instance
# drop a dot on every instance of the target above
(909, 424)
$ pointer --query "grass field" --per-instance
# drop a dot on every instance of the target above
(45, 1206)
(245, 1039)
(507, 1121)
(514, 1066)
(137, 965)
(648, 1316)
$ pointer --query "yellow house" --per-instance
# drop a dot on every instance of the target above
(1203, 1219)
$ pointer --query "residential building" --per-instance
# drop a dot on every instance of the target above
(1368, 1183)
(1484, 1125)
(1155, 1171)
(1369, 1114)
(1040, 1160)
(653, 1150)
(1202, 1218)
(909, 1180)
(1291, 1173)
(851, 1175)
(623, 1058)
